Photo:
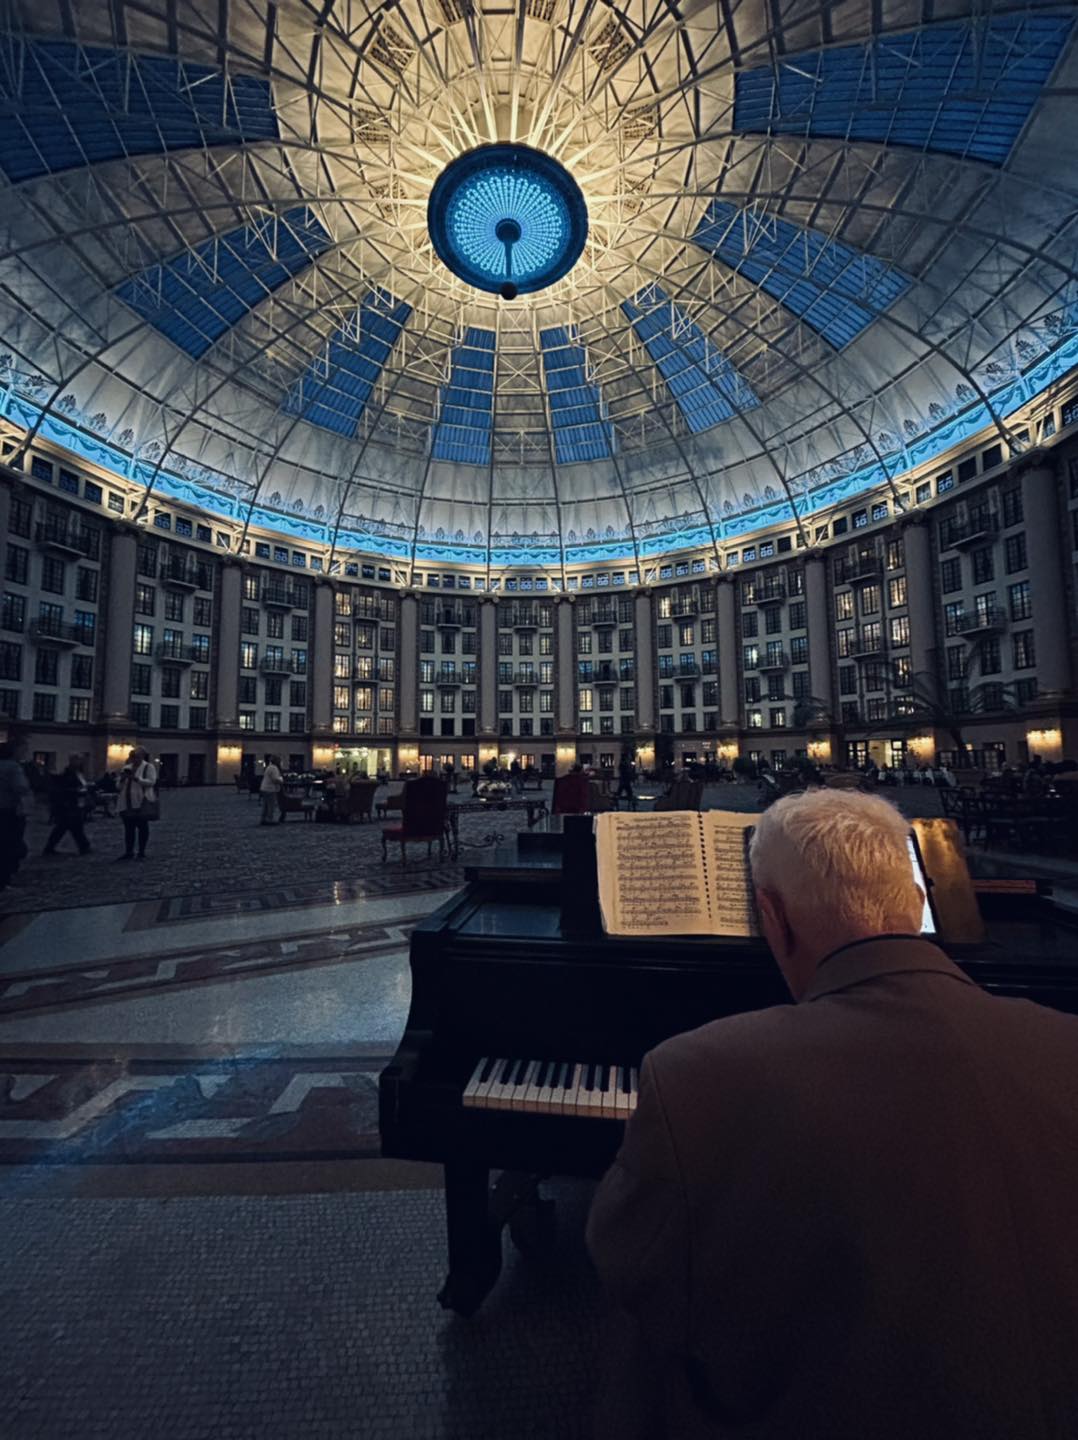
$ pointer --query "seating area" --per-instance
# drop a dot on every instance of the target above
(996, 814)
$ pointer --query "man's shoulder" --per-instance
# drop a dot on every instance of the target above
(737, 1041)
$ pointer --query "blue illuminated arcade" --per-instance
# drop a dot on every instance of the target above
(507, 219)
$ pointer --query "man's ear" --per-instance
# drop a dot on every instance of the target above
(773, 922)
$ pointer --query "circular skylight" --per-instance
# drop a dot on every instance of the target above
(507, 219)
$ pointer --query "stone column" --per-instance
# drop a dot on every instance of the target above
(916, 543)
(1040, 507)
(320, 662)
(565, 653)
(646, 678)
(227, 679)
(119, 623)
(819, 632)
(729, 653)
(408, 651)
(488, 667)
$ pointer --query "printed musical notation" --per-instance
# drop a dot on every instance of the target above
(660, 885)
(733, 910)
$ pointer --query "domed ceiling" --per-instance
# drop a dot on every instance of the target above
(824, 242)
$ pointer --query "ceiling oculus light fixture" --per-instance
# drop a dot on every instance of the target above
(507, 219)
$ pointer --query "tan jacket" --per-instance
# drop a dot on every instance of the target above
(855, 1218)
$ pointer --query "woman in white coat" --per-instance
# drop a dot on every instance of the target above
(138, 800)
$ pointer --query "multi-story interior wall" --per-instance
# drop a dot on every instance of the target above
(901, 624)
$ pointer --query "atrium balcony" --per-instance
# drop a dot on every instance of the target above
(275, 665)
(71, 542)
(866, 646)
(185, 574)
(279, 597)
(170, 654)
(988, 621)
(859, 569)
(448, 678)
(774, 662)
(978, 529)
(59, 632)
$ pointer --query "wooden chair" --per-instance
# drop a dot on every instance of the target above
(682, 795)
(423, 817)
(360, 800)
(571, 794)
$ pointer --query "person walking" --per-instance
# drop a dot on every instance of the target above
(67, 807)
(15, 798)
(626, 776)
(138, 801)
(270, 790)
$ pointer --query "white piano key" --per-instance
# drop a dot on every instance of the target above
(471, 1090)
(500, 1090)
(524, 1082)
(621, 1099)
(530, 1100)
(609, 1109)
(549, 1087)
(572, 1089)
(592, 1100)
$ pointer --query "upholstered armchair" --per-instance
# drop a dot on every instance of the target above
(423, 817)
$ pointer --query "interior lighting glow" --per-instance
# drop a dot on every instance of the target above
(507, 219)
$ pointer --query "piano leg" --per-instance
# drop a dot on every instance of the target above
(475, 1239)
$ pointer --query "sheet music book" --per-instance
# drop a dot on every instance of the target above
(675, 873)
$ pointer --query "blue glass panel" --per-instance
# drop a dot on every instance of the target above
(194, 298)
(834, 288)
(707, 388)
(580, 431)
(961, 89)
(463, 431)
(338, 383)
(68, 105)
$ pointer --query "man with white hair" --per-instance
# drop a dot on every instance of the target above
(852, 1218)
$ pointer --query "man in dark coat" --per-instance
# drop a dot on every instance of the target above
(852, 1218)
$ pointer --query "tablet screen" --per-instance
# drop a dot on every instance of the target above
(928, 920)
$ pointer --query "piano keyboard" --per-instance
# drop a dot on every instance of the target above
(553, 1087)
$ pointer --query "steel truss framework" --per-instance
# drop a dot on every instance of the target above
(349, 112)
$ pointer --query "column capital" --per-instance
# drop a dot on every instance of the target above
(918, 520)
(818, 557)
(1038, 458)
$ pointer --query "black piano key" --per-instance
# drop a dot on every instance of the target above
(603, 1081)
(487, 1069)
(626, 1078)
(521, 1071)
(507, 1070)
(589, 1075)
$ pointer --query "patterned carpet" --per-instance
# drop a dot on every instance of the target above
(209, 842)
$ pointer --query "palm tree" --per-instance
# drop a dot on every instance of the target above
(937, 707)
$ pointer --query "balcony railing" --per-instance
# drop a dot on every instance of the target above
(449, 616)
(958, 534)
(687, 608)
(515, 617)
(448, 677)
(60, 632)
(185, 575)
(170, 654)
(68, 540)
(770, 590)
(776, 660)
(865, 645)
(860, 568)
(280, 597)
(980, 622)
(275, 665)
(525, 677)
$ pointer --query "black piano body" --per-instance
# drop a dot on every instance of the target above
(496, 972)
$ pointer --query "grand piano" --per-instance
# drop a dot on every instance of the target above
(528, 1024)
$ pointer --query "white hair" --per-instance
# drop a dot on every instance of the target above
(839, 854)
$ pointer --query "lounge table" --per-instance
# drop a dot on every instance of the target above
(536, 808)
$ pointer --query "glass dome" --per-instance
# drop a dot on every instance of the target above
(820, 247)
(507, 219)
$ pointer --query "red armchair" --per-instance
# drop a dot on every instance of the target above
(423, 817)
(572, 794)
